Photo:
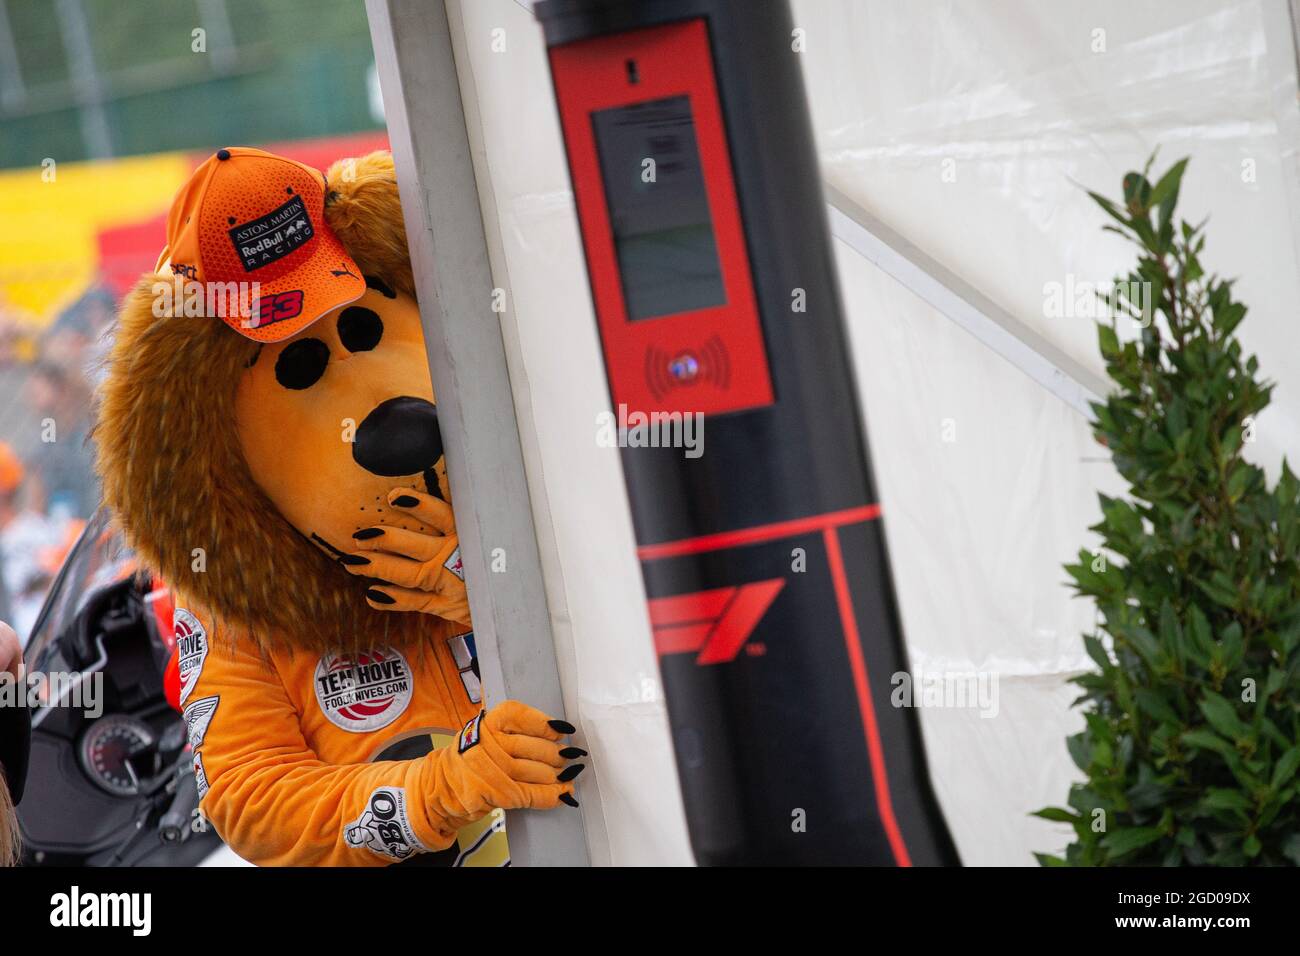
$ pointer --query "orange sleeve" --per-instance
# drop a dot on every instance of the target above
(273, 800)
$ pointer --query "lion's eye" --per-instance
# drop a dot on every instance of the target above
(360, 329)
(302, 363)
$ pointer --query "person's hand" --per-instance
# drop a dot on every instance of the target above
(418, 571)
(510, 757)
(11, 652)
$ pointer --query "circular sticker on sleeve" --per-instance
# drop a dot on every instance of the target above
(191, 648)
(365, 692)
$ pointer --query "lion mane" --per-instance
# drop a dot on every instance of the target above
(174, 474)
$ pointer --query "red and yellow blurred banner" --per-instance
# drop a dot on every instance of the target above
(104, 222)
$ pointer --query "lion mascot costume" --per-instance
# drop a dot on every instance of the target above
(280, 466)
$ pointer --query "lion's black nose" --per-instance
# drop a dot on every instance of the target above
(400, 437)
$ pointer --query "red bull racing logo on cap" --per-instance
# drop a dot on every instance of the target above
(363, 693)
(262, 241)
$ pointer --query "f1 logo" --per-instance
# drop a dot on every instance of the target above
(714, 623)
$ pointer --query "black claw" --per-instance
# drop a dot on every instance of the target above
(568, 773)
(405, 501)
(365, 534)
(379, 597)
(562, 727)
(353, 560)
(568, 753)
(569, 799)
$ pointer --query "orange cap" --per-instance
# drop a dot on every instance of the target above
(249, 216)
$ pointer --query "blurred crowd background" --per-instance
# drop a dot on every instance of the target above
(105, 109)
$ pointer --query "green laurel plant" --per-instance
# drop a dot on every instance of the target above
(1191, 745)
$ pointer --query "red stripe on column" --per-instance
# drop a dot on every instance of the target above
(858, 664)
(763, 532)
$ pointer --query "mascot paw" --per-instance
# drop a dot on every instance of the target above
(417, 570)
(511, 757)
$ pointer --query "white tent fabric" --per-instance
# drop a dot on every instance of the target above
(967, 127)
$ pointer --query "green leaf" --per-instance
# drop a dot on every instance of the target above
(1110, 208)
(1230, 444)
(1137, 190)
(1207, 740)
(1103, 754)
(1133, 838)
(1155, 706)
(1148, 794)
(1171, 632)
(1167, 187)
(1219, 589)
(1097, 652)
(1233, 645)
(1123, 520)
(1198, 629)
(1107, 340)
(1142, 641)
(1223, 716)
(1080, 752)
(1218, 798)
(1056, 815)
(1238, 481)
(1285, 769)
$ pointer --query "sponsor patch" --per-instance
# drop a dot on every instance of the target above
(197, 717)
(481, 843)
(471, 733)
(364, 693)
(200, 775)
(462, 652)
(192, 649)
(384, 827)
(454, 565)
(264, 240)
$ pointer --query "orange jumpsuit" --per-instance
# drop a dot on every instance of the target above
(322, 760)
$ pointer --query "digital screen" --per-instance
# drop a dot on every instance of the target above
(658, 208)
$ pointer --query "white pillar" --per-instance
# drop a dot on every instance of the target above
(467, 362)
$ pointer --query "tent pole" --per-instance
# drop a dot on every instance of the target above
(467, 362)
(961, 302)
